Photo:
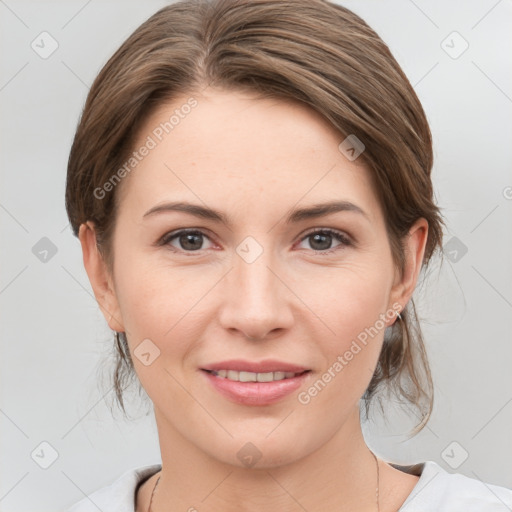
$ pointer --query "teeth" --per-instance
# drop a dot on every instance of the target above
(253, 377)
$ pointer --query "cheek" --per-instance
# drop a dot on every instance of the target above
(352, 307)
(160, 304)
(347, 299)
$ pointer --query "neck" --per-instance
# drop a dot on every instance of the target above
(339, 475)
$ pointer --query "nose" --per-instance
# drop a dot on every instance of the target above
(257, 303)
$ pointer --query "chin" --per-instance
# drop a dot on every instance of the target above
(256, 449)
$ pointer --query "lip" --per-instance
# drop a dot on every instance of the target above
(255, 393)
(265, 366)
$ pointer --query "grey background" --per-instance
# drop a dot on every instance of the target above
(54, 339)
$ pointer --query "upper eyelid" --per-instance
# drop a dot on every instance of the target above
(338, 231)
(174, 233)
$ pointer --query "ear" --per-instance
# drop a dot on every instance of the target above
(414, 249)
(99, 277)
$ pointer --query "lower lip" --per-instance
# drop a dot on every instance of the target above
(255, 393)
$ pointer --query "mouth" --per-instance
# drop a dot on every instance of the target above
(250, 383)
(243, 376)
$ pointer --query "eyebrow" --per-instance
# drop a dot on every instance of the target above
(298, 215)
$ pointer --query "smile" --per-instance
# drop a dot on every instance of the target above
(255, 388)
(242, 376)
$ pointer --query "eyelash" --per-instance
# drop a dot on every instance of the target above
(338, 235)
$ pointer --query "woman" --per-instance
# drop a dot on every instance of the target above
(250, 183)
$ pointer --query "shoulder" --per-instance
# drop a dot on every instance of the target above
(453, 492)
(119, 496)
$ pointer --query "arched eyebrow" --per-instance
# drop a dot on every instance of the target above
(324, 209)
(298, 215)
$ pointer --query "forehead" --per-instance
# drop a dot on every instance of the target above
(260, 127)
(231, 144)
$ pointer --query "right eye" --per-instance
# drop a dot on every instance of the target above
(188, 240)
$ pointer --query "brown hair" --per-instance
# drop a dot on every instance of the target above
(313, 51)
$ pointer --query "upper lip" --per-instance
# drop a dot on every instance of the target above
(265, 366)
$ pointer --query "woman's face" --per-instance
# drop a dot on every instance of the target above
(253, 284)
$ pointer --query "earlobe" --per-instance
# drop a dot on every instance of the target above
(414, 251)
(99, 277)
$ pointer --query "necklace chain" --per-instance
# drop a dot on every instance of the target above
(378, 481)
(376, 492)
(154, 489)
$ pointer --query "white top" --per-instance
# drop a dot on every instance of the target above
(436, 490)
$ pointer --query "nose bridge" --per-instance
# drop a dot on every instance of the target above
(256, 301)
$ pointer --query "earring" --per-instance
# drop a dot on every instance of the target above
(399, 316)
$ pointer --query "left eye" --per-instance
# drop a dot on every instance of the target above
(321, 240)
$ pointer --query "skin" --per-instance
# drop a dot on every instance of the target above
(255, 160)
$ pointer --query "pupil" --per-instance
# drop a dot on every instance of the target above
(187, 241)
(319, 237)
